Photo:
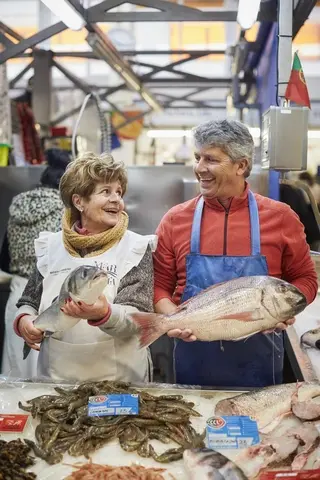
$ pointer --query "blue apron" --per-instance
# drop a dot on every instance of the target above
(254, 362)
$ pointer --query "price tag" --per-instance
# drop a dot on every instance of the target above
(231, 432)
(113, 404)
(13, 423)
(291, 475)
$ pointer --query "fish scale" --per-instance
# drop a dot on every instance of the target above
(232, 310)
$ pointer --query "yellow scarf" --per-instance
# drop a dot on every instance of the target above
(91, 245)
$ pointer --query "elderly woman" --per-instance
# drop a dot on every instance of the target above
(94, 232)
(227, 232)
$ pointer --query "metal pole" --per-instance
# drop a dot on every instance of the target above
(285, 19)
(41, 92)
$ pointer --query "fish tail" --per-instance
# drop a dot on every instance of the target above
(149, 327)
(26, 350)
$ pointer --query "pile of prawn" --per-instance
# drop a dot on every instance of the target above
(93, 471)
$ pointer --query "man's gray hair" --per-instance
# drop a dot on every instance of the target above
(231, 136)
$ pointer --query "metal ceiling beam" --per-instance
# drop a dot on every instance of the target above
(30, 42)
(21, 74)
(81, 84)
(169, 68)
(133, 53)
(8, 31)
(6, 42)
(301, 14)
(163, 82)
(164, 11)
(155, 83)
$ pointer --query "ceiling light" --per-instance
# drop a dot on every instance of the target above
(66, 12)
(248, 13)
(105, 50)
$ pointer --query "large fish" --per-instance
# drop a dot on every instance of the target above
(86, 284)
(270, 404)
(311, 338)
(206, 464)
(233, 310)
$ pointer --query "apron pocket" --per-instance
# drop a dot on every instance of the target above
(81, 362)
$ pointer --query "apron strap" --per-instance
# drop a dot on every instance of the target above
(254, 225)
(196, 227)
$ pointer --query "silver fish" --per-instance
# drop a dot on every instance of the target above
(233, 310)
(86, 284)
(311, 339)
(270, 404)
(206, 464)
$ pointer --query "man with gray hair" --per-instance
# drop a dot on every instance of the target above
(228, 232)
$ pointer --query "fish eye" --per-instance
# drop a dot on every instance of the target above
(282, 288)
(84, 273)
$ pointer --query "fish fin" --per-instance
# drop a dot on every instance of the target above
(26, 350)
(148, 324)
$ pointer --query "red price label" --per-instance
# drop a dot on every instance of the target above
(291, 475)
(14, 423)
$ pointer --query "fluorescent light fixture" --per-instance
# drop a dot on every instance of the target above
(66, 12)
(248, 13)
(104, 49)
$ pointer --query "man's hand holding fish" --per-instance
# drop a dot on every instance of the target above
(228, 232)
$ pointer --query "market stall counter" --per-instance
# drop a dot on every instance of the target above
(161, 427)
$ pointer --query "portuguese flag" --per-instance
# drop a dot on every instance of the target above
(297, 90)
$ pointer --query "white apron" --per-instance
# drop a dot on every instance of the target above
(13, 364)
(85, 352)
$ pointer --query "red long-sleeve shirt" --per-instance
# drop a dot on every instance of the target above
(283, 242)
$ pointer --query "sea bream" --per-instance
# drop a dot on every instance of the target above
(206, 464)
(311, 339)
(85, 284)
(270, 404)
(233, 310)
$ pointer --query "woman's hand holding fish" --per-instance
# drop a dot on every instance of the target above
(97, 311)
(31, 335)
(281, 325)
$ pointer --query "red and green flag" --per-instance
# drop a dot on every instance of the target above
(297, 90)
